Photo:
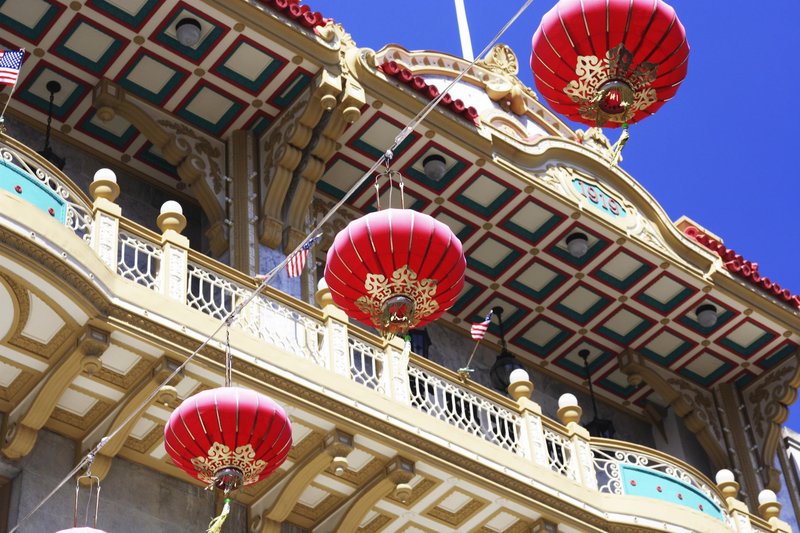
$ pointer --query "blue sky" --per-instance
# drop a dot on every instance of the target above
(721, 152)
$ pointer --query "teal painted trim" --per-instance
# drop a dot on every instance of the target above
(639, 481)
(604, 200)
(540, 295)
(724, 368)
(149, 156)
(372, 151)
(468, 296)
(625, 392)
(533, 237)
(670, 358)
(577, 369)
(778, 357)
(292, 90)
(494, 272)
(211, 127)
(485, 210)
(745, 380)
(32, 190)
(95, 67)
(543, 350)
(121, 142)
(625, 339)
(689, 320)
(201, 49)
(34, 34)
(251, 85)
(437, 185)
(627, 283)
(578, 262)
(756, 345)
(133, 21)
(585, 317)
(158, 98)
(60, 112)
(665, 307)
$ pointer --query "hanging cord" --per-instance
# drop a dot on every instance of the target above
(623, 139)
(387, 156)
(228, 357)
(215, 526)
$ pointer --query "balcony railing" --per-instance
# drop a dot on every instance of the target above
(164, 264)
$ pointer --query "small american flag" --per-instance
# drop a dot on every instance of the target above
(10, 63)
(479, 330)
(298, 260)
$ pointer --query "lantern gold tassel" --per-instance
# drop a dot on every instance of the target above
(215, 526)
(623, 139)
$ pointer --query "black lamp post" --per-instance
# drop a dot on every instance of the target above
(598, 427)
(505, 362)
(52, 87)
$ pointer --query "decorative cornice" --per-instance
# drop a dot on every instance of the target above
(743, 268)
(419, 85)
(300, 13)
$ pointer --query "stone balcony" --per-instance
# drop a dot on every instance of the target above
(314, 353)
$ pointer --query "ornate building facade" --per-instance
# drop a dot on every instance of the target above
(175, 167)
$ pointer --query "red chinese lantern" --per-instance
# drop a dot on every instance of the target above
(397, 269)
(228, 437)
(609, 62)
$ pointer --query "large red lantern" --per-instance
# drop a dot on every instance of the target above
(228, 437)
(397, 269)
(609, 62)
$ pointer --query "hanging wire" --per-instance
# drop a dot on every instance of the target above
(385, 158)
(228, 357)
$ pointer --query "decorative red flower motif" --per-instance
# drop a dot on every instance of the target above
(633, 482)
(680, 496)
(18, 189)
(658, 488)
(52, 212)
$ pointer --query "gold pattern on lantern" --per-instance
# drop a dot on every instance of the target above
(403, 282)
(220, 456)
(594, 73)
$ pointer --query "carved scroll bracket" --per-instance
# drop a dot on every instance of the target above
(191, 153)
(696, 419)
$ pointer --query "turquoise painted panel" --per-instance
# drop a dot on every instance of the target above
(599, 198)
(639, 481)
(16, 181)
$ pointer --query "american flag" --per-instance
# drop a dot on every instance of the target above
(10, 63)
(479, 330)
(298, 260)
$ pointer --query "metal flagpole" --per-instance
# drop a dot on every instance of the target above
(10, 94)
(463, 31)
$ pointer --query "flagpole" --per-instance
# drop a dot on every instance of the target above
(465, 371)
(10, 94)
(463, 31)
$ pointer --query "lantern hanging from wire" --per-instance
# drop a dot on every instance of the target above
(91, 483)
(396, 269)
(228, 437)
(609, 62)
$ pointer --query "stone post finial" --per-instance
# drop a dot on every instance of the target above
(768, 505)
(727, 484)
(104, 185)
(568, 409)
(520, 385)
(171, 217)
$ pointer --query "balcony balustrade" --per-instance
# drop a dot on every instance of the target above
(165, 264)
